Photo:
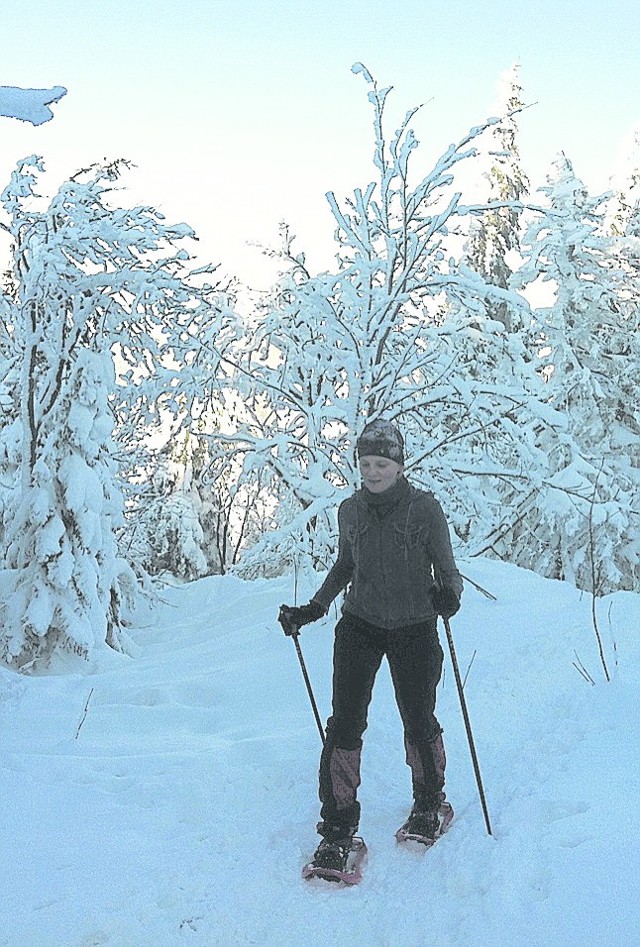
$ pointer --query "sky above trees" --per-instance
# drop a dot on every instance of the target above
(240, 114)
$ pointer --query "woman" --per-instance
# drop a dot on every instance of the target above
(395, 558)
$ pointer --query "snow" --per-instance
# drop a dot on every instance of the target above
(29, 105)
(168, 796)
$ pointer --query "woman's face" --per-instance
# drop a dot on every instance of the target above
(379, 473)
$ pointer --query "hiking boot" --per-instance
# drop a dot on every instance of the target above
(332, 854)
(424, 822)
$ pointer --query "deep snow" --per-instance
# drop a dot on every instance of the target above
(169, 797)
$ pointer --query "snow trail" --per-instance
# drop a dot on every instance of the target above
(184, 809)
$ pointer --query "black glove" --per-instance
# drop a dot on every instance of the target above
(293, 617)
(445, 602)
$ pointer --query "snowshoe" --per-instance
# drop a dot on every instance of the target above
(338, 861)
(425, 827)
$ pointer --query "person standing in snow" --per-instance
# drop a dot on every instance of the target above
(396, 562)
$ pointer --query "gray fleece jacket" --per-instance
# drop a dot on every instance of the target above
(393, 548)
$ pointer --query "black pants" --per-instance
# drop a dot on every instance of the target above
(415, 660)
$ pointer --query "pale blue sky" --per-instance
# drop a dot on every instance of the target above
(242, 112)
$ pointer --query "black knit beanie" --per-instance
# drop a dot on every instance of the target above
(381, 439)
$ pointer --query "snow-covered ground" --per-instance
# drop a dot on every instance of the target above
(169, 798)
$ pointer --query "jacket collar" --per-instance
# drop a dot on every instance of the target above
(386, 501)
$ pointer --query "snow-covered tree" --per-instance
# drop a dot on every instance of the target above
(233, 503)
(333, 350)
(9, 408)
(492, 249)
(624, 208)
(586, 514)
(623, 216)
(61, 540)
(106, 325)
(172, 538)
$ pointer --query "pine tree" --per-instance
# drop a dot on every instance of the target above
(492, 249)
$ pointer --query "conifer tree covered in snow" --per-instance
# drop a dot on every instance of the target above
(623, 215)
(624, 209)
(492, 249)
(104, 328)
(173, 538)
(584, 525)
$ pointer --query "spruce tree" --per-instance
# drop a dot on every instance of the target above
(494, 242)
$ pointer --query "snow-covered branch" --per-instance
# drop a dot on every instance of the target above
(29, 105)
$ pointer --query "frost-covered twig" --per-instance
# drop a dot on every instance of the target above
(595, 579)
(579, 666)
(473, 657)
(84, 713)
(479, 588)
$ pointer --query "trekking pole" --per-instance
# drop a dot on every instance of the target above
(292, 632)
(467, 723)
